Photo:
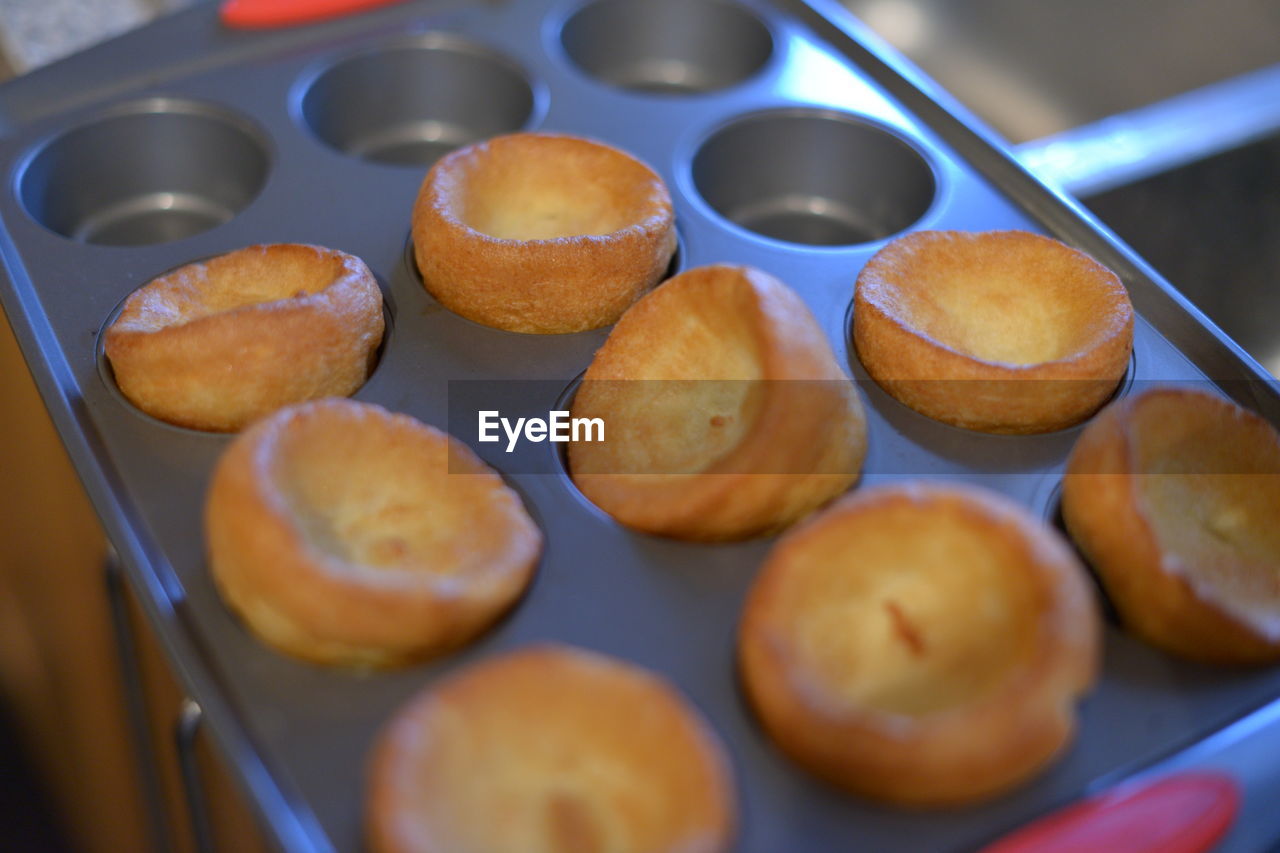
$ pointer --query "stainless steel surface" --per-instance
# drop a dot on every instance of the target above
(150, 172)
(298, 734)
(1213, 228)
(1035, 69)
(1146, 141)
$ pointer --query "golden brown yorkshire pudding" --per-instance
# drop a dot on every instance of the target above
(345, 534)
(538, 232)
(920, 644)
(214, 345)
(1000, 331)
(549, 750)
(725, 414)
(1174, 496)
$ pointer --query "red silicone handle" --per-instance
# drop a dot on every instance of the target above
(265, 14)
(1184, 813)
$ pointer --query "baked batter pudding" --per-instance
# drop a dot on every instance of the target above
(921, 644)
(1174, 497)
(999, 331)
(216, 344)
(345, 534)
(726, 413)
(549, 750)
(539, 232)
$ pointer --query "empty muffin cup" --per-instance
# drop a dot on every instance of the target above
(411, 102)
(669, 46)
(813, 177)
(148, 172)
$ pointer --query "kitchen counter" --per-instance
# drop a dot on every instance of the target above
(36, 32)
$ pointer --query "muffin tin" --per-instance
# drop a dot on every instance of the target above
(788, 144)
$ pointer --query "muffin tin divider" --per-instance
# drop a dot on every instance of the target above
(296, 733)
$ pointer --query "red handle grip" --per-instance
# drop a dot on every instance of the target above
(265, 14)
(1184, 813)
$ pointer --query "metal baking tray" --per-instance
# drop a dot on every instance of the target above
(184, 125)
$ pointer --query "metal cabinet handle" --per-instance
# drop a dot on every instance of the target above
(185, 730)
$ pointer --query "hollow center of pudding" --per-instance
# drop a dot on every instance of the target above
(911, 610)
(546, 189)
(678, 390)
(555, 792)
(1211, 489)
(246, 277)
(384, 498)
(568, 761)
(1018, 303)
(997, 317)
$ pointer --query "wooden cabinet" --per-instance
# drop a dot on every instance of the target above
(59, 670)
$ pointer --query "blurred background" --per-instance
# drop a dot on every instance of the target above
(1162, 116)
(37, 32)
